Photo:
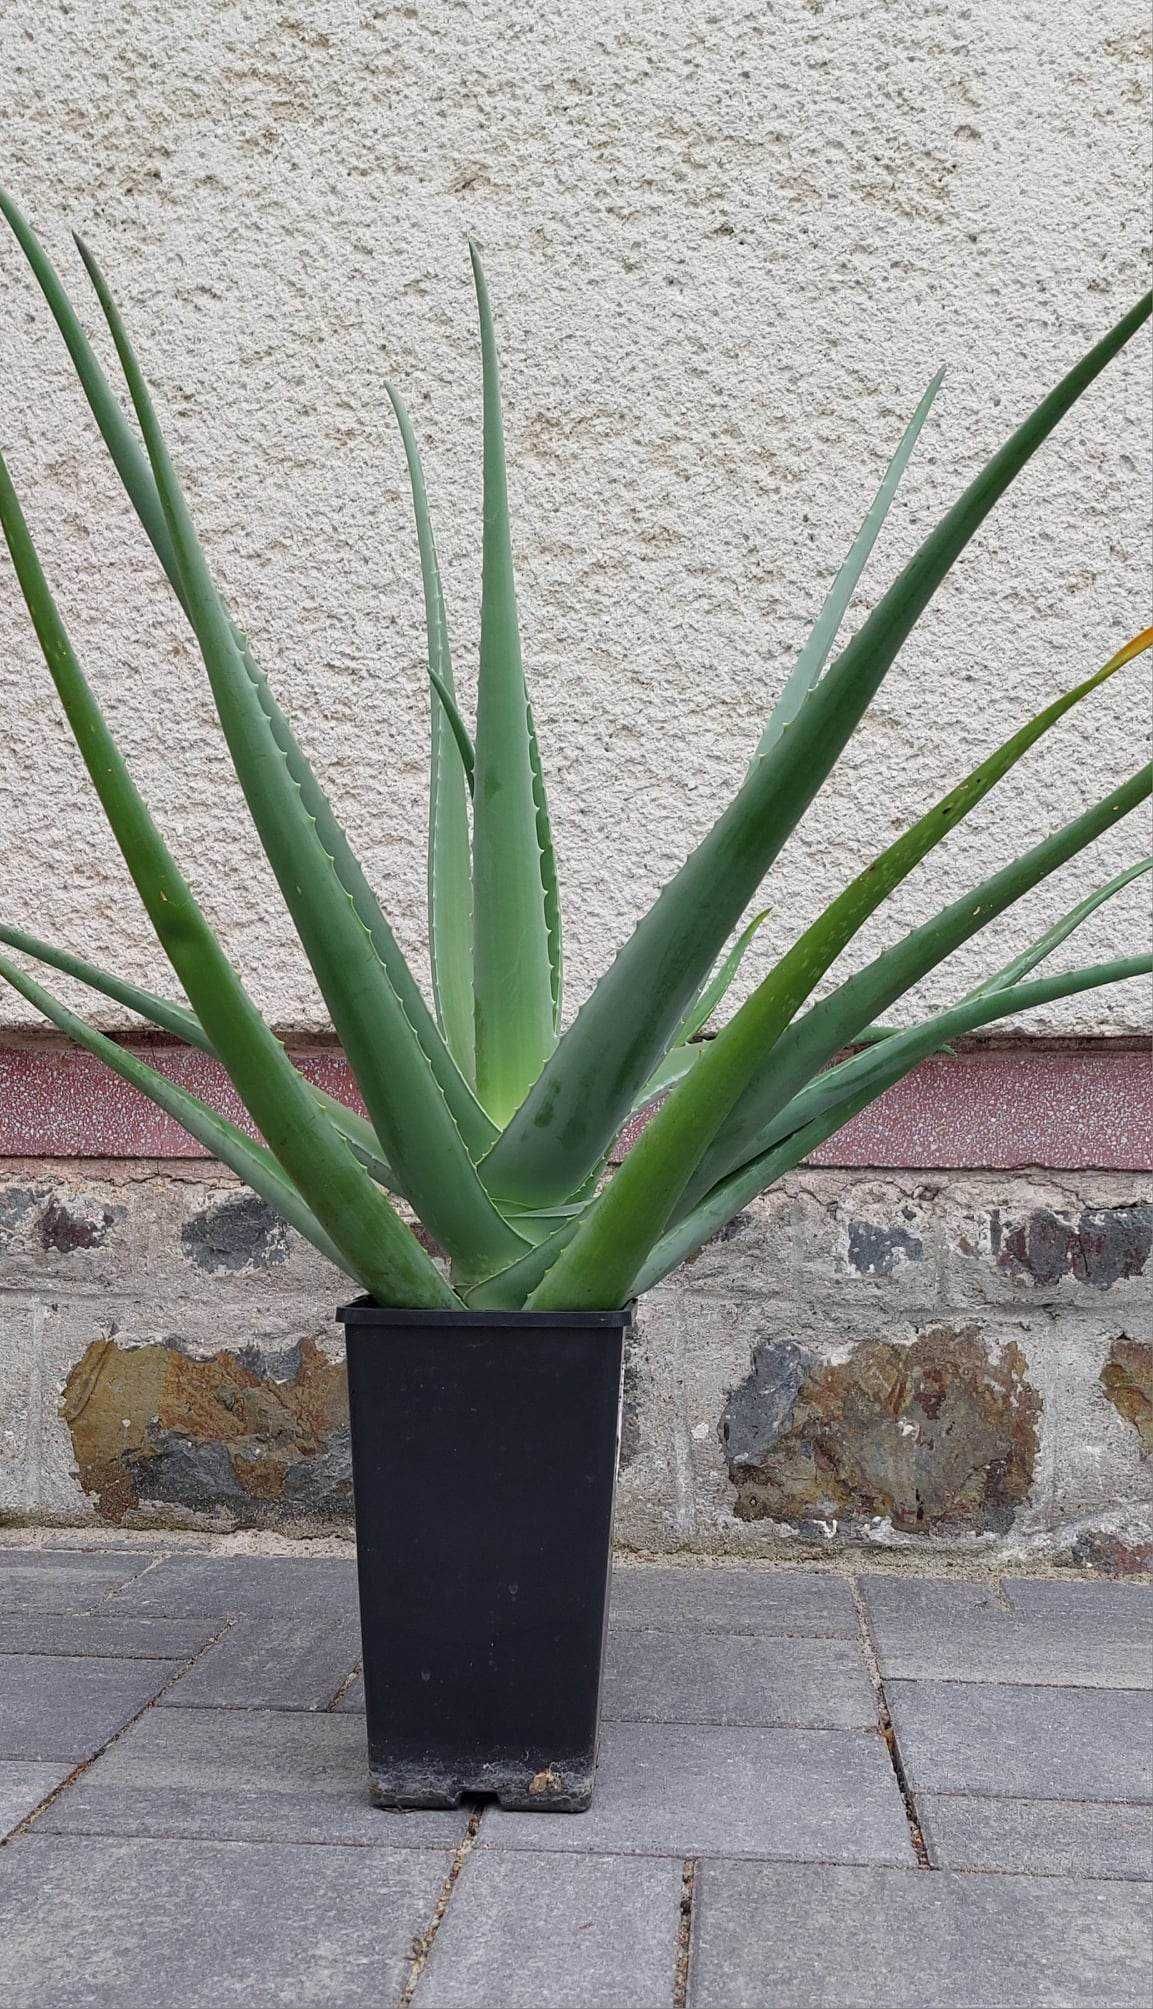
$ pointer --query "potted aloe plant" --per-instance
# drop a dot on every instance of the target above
(485, 1388)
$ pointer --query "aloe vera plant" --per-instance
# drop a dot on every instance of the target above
(482, 1114)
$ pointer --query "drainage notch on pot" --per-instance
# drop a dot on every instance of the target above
(484, 1454)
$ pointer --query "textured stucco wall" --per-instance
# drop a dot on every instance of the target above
(728, 247)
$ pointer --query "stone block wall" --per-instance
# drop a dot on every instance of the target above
(938, 1362)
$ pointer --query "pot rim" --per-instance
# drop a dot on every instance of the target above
(365, 1311)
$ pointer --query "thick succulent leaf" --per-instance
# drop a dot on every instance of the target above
(516, 939)
(250, 1161)
(713, 994)
(667, 1165)
(666, 1074)
(136, 474)
(184, 1025)
(815, 653)
(374, 1243)
(831, 1101)
(406, 1106)
(827, 1028)
(548, 874)
(512, 1288)
(585, 1091)
(173, 1018)
(1019, 966)
(466, 752)
(449, 782)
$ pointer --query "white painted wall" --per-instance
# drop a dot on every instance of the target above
(728, 246)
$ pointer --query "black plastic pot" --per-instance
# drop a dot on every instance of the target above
(484, 1456)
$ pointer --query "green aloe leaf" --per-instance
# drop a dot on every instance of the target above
(184, 1025)
(372, 1239)
(450, 779)
(714, 993)
(684, 1051)
(513, 1287)
(251, 1162)
(1019, 966)
(172, 1018)
(666, 1074)
(135, 472)
(670, 1160)
(827, 1028)
(831, 1101)
(567, 1120)
(516, 927)
(407, 1109)
(815, 653)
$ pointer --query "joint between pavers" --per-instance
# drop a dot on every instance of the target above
(86, 1764)
(888, 1733)
(422, 1945)
(342, 1691)
(682, 1974)
(114, 1589)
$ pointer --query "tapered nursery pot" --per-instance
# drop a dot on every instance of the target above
(484, 1456)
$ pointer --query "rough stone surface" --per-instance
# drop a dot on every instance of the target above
(794, 1937)
(261, 1435)
(942, 1402)
(237, 1234)
(940, 1432)
(1127, 1378)
(1105, 1244)
(80, 1225)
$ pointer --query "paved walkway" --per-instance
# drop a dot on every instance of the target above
(898, 1793)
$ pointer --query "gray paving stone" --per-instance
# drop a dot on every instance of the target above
(732, 1600)
(929, 1600)
(69, 1580)
(770, 1937)
(272, 1663)
(94, 1636)
(232, 1586)
(195, 1925)
(804, 1795)
(242, 1775)
(68, 1708)
(1046, 1837)
(731, 1678)
(1083, 1601)
(22, 1786)
(542, 1932)
(1028, 1743)
(956, 1632)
